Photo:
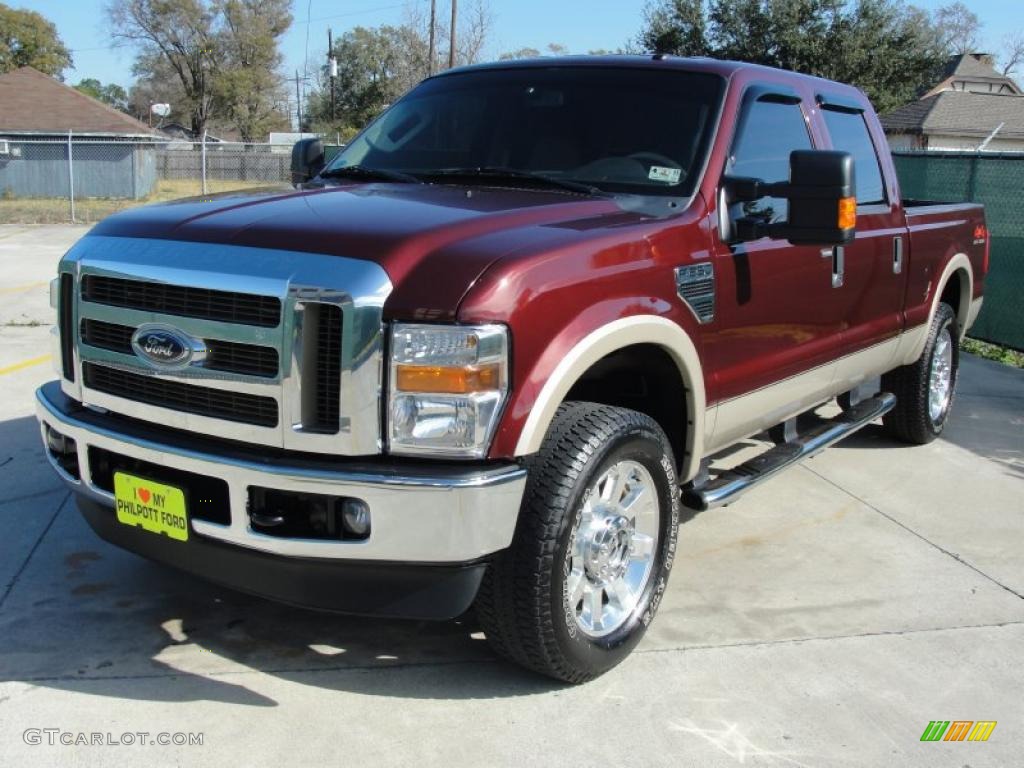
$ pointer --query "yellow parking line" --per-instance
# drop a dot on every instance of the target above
(26, 287)
(24, 364)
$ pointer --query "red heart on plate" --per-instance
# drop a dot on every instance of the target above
(143, 494)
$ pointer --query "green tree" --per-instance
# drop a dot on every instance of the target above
(890, 50)
(29, 39)
(157, 82)
(520, 53)
(112, 93)
(248, 84)
(223, 54)
(375, 67)
(675, 26)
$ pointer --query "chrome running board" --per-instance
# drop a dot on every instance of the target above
(733, 483)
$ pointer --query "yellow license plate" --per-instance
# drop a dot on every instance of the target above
(151, 506)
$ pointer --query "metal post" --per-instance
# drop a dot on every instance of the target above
(332, 69)
(298, 101)
(71, 179)
(432, 48)
(972, 178)
(203, 151)
(451, 39)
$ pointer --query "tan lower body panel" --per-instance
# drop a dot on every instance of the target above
(755, 412)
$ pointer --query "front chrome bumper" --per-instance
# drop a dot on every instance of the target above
(420, 513)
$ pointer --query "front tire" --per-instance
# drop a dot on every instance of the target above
(924, 389)
(593, 548)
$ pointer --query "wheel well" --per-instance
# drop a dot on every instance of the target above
(644, 378)
(954, 294)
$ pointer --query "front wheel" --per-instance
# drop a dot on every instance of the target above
(924, 389)
(593, 547)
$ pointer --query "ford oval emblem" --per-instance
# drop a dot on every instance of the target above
(165, 347)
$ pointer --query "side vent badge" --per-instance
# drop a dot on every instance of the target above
(695, 284)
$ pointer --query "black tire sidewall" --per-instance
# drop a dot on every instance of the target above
(945, 319)
(648, 448)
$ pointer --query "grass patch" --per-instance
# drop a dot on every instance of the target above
(995, 352)
(56, 210)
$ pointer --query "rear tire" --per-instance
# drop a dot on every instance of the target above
(924, 389)
(593, 547)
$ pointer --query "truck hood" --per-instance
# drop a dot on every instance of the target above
(433, 241)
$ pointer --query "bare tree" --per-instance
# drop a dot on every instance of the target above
(958, 27)
(476, 26)
(1013, 52)
(476, 21)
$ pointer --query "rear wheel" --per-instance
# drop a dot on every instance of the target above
(593, 547)
(924, 389)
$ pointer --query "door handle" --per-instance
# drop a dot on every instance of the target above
(897, 255)
(838, 254)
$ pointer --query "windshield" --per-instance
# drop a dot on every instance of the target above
(633, 130)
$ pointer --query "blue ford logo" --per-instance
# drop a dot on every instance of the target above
(165, 347)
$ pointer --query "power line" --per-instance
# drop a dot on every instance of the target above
(353, 13)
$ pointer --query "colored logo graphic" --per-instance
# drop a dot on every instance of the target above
(958, 730)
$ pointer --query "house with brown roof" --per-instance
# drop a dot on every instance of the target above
(113, 154)
(972, 107)
(34, 105)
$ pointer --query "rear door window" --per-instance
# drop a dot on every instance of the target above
(768, 133)
(850, 134)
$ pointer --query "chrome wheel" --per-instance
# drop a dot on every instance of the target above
(940, 379)
(611, 552)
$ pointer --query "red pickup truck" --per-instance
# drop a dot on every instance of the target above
(483, 356)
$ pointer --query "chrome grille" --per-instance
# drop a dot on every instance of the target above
(322, 406)
(293, 341)
(182, 301)
(187, 398)
(227, 356)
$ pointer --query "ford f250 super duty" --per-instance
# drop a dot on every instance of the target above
(482, 357)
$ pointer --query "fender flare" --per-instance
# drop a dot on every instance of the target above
(959, 261)
(616, 335)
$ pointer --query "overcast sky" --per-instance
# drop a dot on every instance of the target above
(581, 25)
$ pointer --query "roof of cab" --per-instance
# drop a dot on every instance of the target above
(723, 67)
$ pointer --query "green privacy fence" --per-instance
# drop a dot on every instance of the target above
(997, 180)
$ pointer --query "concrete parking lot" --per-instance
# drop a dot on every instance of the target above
(823, 620)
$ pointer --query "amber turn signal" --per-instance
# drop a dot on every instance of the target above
(450, 380)
(847, 212)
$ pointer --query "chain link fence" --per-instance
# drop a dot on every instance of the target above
(997, 180)
(82, 179)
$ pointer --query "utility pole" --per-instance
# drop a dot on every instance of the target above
(433, 43)
(332, 68)
(451, 39)
(298, 101)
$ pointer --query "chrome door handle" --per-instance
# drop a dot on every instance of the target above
(838, 256)
(897, 255)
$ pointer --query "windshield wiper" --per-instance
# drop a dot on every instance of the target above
(493, 173)
(362, 172)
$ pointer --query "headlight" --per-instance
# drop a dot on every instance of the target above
(447, 385)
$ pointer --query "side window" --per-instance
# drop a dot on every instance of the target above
(850, 134)
(769, 131)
